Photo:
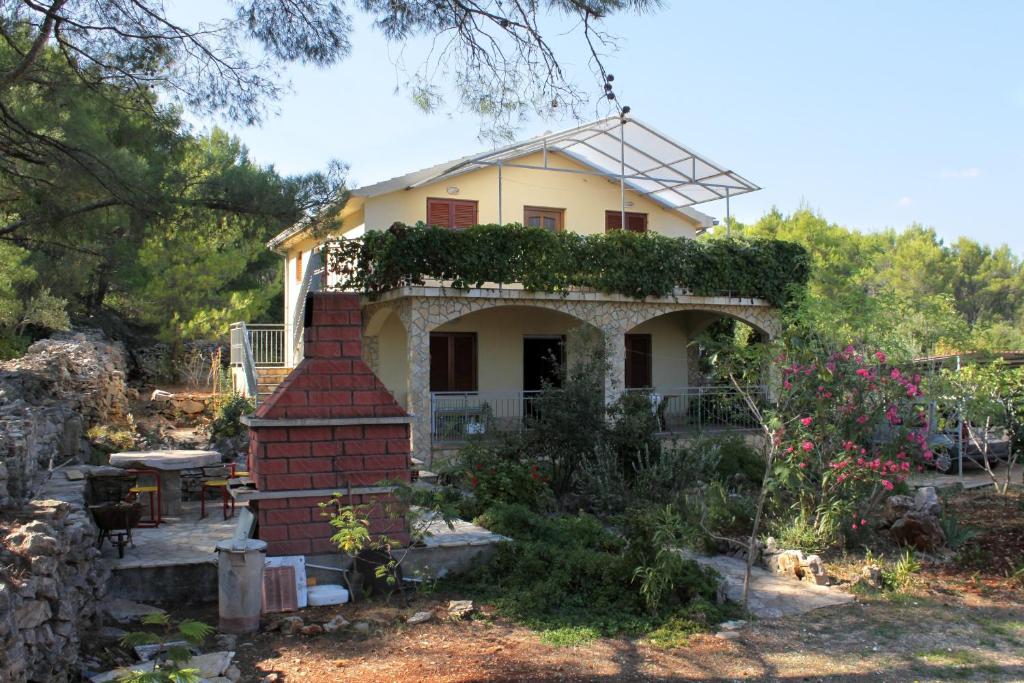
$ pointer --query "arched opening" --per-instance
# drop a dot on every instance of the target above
(386, 351)
(487, 367)
(665, 358)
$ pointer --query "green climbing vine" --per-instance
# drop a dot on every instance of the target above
(633, 264)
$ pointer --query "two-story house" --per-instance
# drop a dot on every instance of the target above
(463, 361)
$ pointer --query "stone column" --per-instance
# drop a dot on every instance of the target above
(615, 346)
(417, 391)
(371, 352)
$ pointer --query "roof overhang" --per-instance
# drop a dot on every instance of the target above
(620, 148)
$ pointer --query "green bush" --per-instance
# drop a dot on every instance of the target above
(499, 472)
(228, 422)
(569, 571)
(621, 262)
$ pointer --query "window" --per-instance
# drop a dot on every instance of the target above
(541, 217)
(451, 213)
(298, 267)
(638, 361)
(635, 222)
(453, 361)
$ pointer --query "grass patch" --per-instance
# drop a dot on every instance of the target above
(1004, 628)
(948, 657)
(569, 636)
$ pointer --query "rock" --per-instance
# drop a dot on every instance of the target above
(337, 623)
(814, 570)
(126, 611)
(460, 609)
(926, 500)
(361, 627)
(111, 633)
(733, 625)
(32, 613)
(312, 630)
(420, 618)
(212, 663)
(292, 625)
(227, 641)
(728, 635)
(794, 563)
(871, 577)
(148, 652)
(190, 406)
(118, 674)
(160, 395)
(270, 678)
(233, 674)
(896, 507)
(918, 530)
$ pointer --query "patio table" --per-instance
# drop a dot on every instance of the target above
(169, 463)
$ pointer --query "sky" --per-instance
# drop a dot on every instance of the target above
(875, 114)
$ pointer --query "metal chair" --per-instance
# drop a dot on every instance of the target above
(226, 499)
(155, 497)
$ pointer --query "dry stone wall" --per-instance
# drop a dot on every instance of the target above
(50, 576)
(48, 398)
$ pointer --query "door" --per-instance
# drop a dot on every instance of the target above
(543, 358)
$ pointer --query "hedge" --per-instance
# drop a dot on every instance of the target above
(638, 265)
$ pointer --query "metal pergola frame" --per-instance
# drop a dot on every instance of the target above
(675, 176)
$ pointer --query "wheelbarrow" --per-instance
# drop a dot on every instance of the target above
(116, 521)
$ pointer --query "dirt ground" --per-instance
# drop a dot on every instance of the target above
(963, 619)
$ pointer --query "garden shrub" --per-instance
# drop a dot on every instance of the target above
(633, 428)
(621, 262)
(228, 422)
(499, 472)
(570, 571)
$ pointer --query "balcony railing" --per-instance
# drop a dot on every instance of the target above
(704, 408)
(265, 341)
(455, 416)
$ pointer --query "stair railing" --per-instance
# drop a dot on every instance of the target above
(249, 366)
(310, 281)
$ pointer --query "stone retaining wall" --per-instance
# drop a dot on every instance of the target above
(50, 587)
(48, 398)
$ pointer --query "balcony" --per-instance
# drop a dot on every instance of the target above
(457, 416)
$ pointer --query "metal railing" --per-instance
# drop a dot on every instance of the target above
(700, 408)
(266, 343)
(456, 415)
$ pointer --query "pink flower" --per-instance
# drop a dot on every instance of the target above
(863, 522)
(806, 422)
(802, 465)
(807, 446)
(863, 372)
(862, 419)
(887, 484)
(854, 526)
(880, 356)
(895, 374)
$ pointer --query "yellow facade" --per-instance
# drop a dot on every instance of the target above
(584, 198)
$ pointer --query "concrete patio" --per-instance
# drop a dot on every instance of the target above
(972, 479)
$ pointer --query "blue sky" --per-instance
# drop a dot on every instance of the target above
(877, 114)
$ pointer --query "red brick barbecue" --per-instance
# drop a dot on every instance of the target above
(331, 426)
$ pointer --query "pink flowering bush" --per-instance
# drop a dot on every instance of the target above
(847, 428)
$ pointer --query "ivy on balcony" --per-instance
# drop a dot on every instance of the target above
(638, 265)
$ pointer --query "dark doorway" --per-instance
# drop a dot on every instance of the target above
(543, 358)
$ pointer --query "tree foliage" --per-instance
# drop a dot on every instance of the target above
(907, 292)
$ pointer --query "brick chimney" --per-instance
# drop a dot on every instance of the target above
(330, 426)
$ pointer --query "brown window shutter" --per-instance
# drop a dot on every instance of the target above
(464, 214)
(638, 361)
(453, 361)
(636, 222)
(612, 221)
(439, 212)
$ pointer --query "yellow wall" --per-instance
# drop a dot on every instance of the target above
(393, 358)
(669, 341)
(585, 198)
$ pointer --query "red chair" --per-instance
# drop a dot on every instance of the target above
(227, 501)
(155, 496)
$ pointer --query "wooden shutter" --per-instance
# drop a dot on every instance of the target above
(453, 361)
(635, 222)
(464, 213)
(439, 212)
(638, 361)
(463, 362)
(451, 213)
